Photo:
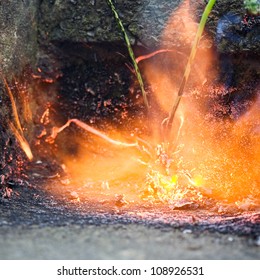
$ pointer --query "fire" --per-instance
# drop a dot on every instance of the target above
(199, 169)
(208, 160)
(120, 151)
(216, 158)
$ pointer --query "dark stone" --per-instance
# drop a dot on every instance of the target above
(18, 35)
(18, 49)
(93, 22)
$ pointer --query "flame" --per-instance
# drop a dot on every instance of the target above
(209, 158)
(180, 31)
(126, 150)
(218, 158)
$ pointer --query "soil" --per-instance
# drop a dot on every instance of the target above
(36, 225)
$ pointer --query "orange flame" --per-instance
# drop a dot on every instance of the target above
(222, 157)
(217, 159)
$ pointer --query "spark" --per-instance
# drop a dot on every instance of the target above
(18, 132)
(57, 130)
(15, 112)
(22, 141)
(143, 57)
(45, 117)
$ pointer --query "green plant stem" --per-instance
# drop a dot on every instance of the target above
(200, 30)
(130, 51)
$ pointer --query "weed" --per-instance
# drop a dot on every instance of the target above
(185, 78)
(130, 51)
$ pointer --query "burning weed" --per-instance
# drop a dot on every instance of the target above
(207, 160)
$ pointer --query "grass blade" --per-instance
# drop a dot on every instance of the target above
(200, 30)
(130, 51)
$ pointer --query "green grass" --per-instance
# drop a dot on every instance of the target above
(187, 71)
(130, 51)
(186, 75)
